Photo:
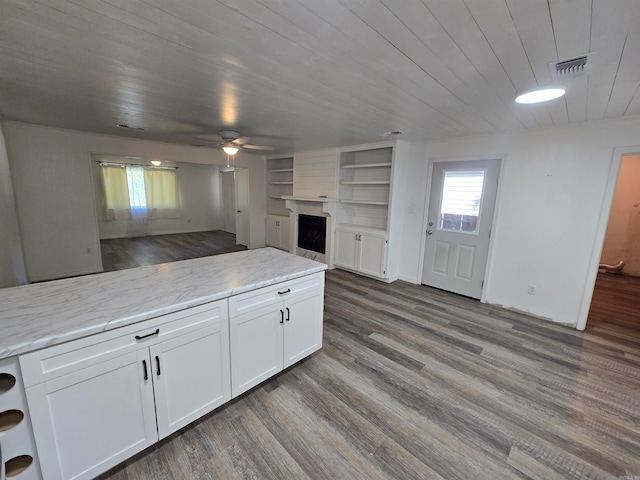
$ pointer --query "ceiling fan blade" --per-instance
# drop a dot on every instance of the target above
(242, 140)
(256, 147)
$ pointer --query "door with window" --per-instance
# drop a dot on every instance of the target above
(461, 205)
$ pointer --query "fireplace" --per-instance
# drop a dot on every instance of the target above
(312, 233)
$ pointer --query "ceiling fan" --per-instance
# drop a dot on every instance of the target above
(232, 142)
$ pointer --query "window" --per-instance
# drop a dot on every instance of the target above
(135, 192)
(461, 199)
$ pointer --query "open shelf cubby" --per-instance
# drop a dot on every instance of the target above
(364, 187)
(279, 184)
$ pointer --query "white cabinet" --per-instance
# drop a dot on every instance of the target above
(191, 376)
(361, 250)
(274, 327)
(278, 232)
(92, 400)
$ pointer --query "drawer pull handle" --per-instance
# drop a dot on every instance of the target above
(157, 365)
(286, 291)
(288, 314)
(139, 337)
(144, 365)
(281, 316)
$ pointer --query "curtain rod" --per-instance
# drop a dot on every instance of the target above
(143, 165)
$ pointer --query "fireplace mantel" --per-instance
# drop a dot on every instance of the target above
(314, 199)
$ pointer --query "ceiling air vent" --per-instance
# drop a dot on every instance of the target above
(571, 67)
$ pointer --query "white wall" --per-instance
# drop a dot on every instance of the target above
(200, 203)
(623, 231)
(55, 198)
(12, 271)
(550, 197)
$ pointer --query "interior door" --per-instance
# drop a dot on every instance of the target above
(228, 188)
(461, 205)
(242, 206)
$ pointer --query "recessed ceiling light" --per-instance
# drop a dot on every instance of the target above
(541, 94)
(392, 133)
(122, 125)
(156, 163)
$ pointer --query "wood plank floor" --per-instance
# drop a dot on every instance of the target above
(122, 253)
(615, 303)
(413, 382)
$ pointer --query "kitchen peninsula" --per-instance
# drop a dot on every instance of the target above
(108, 364)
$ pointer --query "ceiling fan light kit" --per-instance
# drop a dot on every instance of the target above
(230, 149)
(541, 94)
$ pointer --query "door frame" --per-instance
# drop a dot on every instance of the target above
(432, 160)
(601, 231)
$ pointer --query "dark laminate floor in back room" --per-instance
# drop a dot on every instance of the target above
(414, 382)
(123, 253)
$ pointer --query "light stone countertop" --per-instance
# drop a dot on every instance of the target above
(43, 314)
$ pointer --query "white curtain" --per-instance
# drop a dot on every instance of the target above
(137, 226)
(161, 185)
(115, 193)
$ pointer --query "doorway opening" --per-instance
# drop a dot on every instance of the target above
(616, 295)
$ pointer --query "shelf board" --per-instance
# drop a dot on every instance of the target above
(280, 183)
(281, 170)
(364, 202)
(310, 199)
(368, 165)
(366, 182)
(277, 197)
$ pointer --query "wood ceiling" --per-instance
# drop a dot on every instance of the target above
(312, 73)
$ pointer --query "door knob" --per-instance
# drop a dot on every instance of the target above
(431, 224)
(429, 232)
(239, 211)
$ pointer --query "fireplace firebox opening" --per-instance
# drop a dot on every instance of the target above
(312, 233)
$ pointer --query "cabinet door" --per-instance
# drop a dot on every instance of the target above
(256, 347)
(284, 235)
(272, 232)
(303, 325)
(91, 420)
(373, 251)
(346, 249)
(191, 376)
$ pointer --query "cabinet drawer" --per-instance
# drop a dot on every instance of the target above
(261, 297)
(53, 362)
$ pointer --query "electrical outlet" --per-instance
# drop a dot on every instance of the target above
(89, 251)
(531, 290)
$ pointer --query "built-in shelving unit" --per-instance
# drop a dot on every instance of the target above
(364, 187)
(279, 184)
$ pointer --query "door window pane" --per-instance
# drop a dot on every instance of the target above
(461, 199)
